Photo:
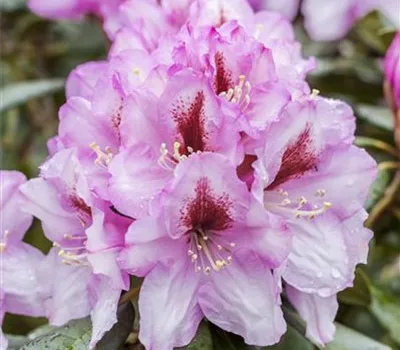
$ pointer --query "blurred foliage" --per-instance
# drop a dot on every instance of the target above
(37, 55)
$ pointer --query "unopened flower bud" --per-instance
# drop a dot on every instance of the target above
(392, 82)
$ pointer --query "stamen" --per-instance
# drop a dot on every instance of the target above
(314, 93)
(3, 243)
(103, 158)
(239, 94)
(259, 29)
(209, 248)
(311, 211)
(169, 161)
(70, 237)
(137, 72)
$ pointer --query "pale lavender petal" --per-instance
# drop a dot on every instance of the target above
(325, 252)
(82, 80)
(252, 312)
(20, 281)
(66, 292)
(319, 314)
(168, 305)
(136, 179)
(14, 221)
(104, 312)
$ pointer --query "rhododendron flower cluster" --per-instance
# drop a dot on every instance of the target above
(198, 158)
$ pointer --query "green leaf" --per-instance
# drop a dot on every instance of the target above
(378, 188)
(117, 335)
(11, 5)
(223, 340)
(202, 340)
(18, 93)
(76, 334)
(348, 339)
(370, 29)
(359, 294)
(291, 340)
(15, 341)
(376, 115)
(387, 310)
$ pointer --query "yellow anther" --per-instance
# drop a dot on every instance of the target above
(314, 93)
(259, 29)
(220, 264)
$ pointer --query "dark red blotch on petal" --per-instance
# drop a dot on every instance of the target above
(191, 124)
(81, 208)
(207, 211)
(223, 77)
(298, 158)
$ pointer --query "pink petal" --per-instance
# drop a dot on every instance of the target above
(136, 179)
(104, 312)
(168, 306)
(14, 220)
(82, 80)
(67, 294)
(319, 313)
(20, 281)
(325, 252)
(252, 312)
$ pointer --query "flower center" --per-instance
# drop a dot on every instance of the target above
(75, 254)
(209, 252)
(103, 158)
(169, 160)
(208, 217)
(239, 94)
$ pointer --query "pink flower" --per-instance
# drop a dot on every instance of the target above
(88, 235)
(20, 289)
(71, 8)
(204, 243)
(332, 20)
(186, 119)
(288, 8)
(392, 71)
(312, 176)
(392, 82)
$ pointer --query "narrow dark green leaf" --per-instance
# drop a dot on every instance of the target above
(378, 188)
(376, 115)
(291, 340)
(223, 340)
(11, 5)
(117, 335)
(369, 30)
(202, 340)
(18, 93)
(348, 339)
(359, 294)
(387, 310)
(294, 320)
